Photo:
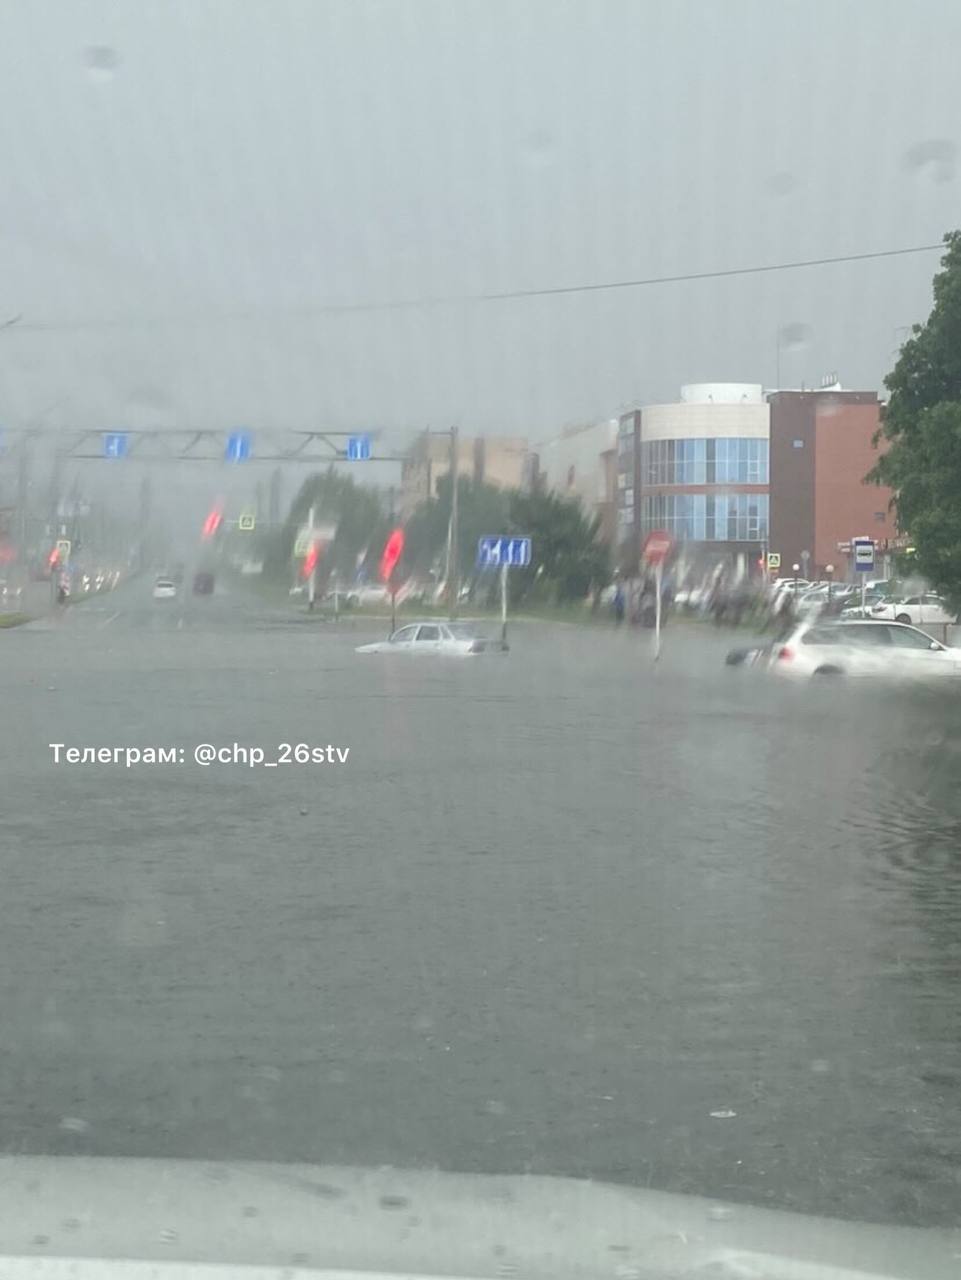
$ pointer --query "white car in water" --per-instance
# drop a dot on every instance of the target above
(456, 639)
(890, 650)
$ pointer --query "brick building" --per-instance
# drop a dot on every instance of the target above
(821, 448)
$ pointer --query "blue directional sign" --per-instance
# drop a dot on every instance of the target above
(115, 444)
(863, 554)
(494, 551)
(358, 448)
(238, 446)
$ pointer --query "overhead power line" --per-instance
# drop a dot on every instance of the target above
(447, 300)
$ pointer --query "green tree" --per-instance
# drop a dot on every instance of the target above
(568, 560)
(357, 511)
(922, 422)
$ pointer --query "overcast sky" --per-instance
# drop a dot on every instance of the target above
(188, 185)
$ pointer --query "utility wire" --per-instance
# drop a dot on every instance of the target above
(505, 296)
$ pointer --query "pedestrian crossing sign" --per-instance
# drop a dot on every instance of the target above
(774, 560)
(247, 522)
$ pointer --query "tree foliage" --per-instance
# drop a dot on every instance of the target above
(922, 422)
(567, 557)
(358, 512)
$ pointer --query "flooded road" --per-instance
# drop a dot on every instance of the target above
(560, 912)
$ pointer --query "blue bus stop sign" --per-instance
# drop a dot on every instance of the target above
(863, 555)
(238, 446)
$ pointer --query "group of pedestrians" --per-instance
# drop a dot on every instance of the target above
(635, 600)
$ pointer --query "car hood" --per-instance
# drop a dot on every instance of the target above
(132, 1219)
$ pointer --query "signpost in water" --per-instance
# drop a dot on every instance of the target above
(657, 547)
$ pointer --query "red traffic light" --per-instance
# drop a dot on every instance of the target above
(393, 550)
(310, 561)
(213, 521)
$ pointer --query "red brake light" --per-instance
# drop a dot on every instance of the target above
(785, 654)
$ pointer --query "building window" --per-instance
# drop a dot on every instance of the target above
(740, 460)
(706, 517)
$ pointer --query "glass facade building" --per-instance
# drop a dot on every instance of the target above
(707, 517)
(711, 461)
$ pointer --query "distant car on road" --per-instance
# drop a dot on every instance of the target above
(889, 650)
(9, 595)
(456, 639)
(164, 589)
(203, 584)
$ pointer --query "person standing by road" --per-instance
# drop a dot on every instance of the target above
(619, 604)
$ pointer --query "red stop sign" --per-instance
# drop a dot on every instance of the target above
(657, 546)
(393, 550)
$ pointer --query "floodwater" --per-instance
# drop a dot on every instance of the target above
(560, 911)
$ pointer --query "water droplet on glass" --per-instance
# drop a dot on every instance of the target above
(723, 1115)
(720, 1213)
(934, 156)
(820, 1065)
(495, 1108)
(168, 1235)
(101, 61)
(794, 336)
(73, 1124)
(538, 148)
(781, 183)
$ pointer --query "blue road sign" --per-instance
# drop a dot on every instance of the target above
(115, 444)
(863, 555)
(358, 448)
(493, 552)
(238, 446)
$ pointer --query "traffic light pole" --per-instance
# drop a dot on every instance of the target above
(312, 579)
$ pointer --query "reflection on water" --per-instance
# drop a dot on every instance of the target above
(682, 928)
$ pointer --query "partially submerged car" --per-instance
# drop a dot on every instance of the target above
(457, 639)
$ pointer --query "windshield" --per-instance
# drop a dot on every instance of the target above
(334, 333)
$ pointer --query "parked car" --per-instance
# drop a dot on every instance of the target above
(203, 584)
(917, 610)
(821, 597)
(164, 589)
(859, 648)
(373, 594)
(455, 639)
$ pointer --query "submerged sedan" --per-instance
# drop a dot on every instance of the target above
(457, 639)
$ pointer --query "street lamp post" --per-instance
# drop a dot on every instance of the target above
(829, 570)
(797, 569)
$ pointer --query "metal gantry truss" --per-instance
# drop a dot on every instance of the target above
(188, 444)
